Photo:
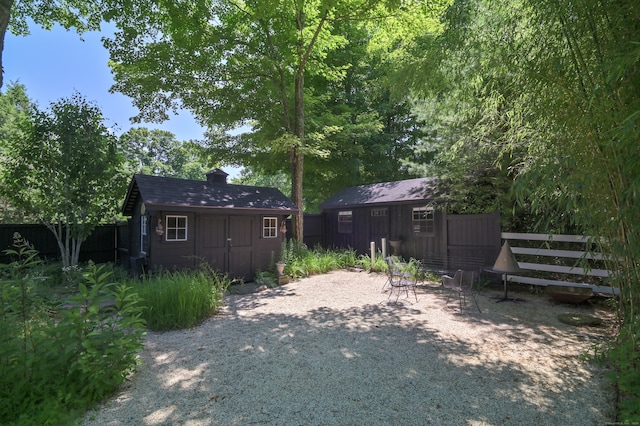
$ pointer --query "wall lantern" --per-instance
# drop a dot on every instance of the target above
(160, 228)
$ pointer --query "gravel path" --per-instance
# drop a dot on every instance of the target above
(331, 350)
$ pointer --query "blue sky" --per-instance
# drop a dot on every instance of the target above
(54, 64)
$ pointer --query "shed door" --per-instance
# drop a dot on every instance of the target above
(212, 241)
(240, 246)
(379, 225)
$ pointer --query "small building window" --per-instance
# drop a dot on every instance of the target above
(423, 220)
(345, 222)
(378, 212)
(143, 225)
(143, 232)
(269, 227)
(176, 228)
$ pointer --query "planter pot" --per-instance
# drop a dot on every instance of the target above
(395, 245)
(280, 268)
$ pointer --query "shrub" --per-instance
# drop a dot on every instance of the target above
(266, 278)
(378, 265)
(54, 367)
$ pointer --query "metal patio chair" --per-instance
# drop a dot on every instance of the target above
(398, 279)
(462, 283)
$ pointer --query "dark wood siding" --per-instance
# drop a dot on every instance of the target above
(172, 254)
(231, 244)
(212, 240)
(476, 236)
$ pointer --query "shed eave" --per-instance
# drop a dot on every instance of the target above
(219, 209)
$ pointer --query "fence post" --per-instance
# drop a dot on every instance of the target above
(373, 253)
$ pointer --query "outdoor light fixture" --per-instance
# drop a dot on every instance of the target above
(506, 263)
(160, 228)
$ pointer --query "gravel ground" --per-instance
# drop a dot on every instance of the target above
(332, 350)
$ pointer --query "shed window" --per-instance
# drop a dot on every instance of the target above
(176, 228)
(269, 227)
(345, 222)
(143, 232)
(423, 220)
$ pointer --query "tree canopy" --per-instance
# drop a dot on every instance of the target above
(159, 153)
(65, 168)
(249, 63)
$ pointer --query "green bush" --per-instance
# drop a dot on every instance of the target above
(266, 278)
(625, 356)
(54, 366)
(174, 300)
(378, 265)
(303, 262)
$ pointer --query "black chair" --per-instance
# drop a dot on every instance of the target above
(399, 279)
(462, 283)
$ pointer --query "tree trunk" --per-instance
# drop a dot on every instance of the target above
(297, 157)
(5, 14)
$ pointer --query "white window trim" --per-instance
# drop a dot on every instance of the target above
(266, 226)
(144, 223)
(429, 217)
(168, 228)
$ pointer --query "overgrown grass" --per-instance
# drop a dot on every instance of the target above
(174, 300)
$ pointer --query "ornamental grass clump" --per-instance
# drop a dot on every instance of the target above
(175, 300)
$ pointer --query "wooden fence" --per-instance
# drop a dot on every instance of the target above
(99, 247)
(562, 260)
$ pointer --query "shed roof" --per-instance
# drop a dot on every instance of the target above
(397, 192)
(164, 192)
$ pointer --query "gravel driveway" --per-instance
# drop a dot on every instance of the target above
(331, 350)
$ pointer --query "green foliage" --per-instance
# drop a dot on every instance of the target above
(65, 169)
(15, 107)
(159, 153)
(266, 278)
(464, 97)
(625, 356)
(541, 97)
(54, 366)
(174, 300)
(379, 264)
(307, 89)
(304, 262)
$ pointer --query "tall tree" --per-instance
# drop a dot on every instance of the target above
(159, 153)
(65, 169)
(236, 62)
(15, 108)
